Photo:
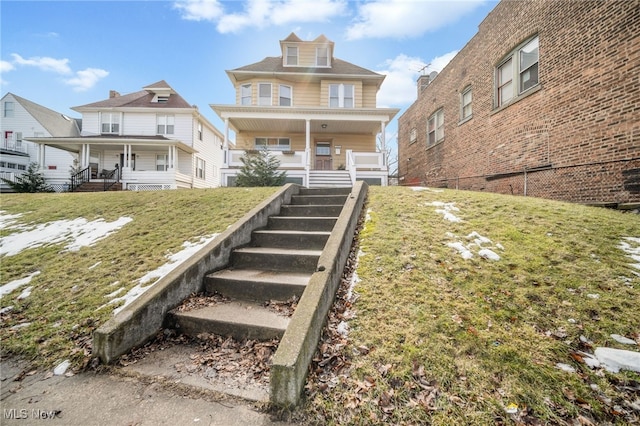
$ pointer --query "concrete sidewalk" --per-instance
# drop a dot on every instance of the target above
(113, 399)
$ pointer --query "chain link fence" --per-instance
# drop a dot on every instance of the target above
(606, 182)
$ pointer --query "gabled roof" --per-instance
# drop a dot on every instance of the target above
(142, 99)
(293, 38)
(57, 124)
(338, 67)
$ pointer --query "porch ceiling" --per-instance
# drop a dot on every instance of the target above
(289, 120)
(107, 143)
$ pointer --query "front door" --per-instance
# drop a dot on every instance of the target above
(323, 156)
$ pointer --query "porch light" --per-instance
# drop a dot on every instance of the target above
(324, 125)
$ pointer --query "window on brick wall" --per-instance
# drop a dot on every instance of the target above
(465, 103)
(435, 127)
(517, 72)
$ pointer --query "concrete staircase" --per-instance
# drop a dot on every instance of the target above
(329, 179)
(276, 265)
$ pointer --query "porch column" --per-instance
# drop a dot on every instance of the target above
(87, 153)
(307, 149)
(384, 143)
(41, 159)
(225, 150)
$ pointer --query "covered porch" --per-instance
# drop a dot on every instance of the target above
(138, 163)
(309, 142)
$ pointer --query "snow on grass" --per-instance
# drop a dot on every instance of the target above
(8, 220)
(174, 261)
(424, 188)
(76, 233)
(11, 286)
(446, 210)
(631, 246)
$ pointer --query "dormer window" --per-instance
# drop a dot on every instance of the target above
(322, 56)
(292, 56)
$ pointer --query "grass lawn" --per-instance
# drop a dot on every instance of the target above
(444, 336)
(438, 334)
(71, 292)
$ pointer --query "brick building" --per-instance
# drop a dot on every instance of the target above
(543, 101)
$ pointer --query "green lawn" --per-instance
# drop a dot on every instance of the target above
(439, 339)
(435, 338)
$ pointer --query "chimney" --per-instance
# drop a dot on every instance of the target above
(113, 94)
(423, 82)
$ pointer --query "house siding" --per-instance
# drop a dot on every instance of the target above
(23, 122)
(584, 112)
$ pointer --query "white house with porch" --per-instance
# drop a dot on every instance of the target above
(316, 113)
(22, 119)
(147, 140)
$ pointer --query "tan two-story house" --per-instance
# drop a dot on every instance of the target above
(315, 113)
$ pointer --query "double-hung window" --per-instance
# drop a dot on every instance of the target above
(110, 122)
(162, 162)
(322, 56)
(9, 108)
(465, 104)
(435, 127)
(200, 168)
(165, 125)
(341, 95)
(292, 55)
(517, 72)
(245, 94)
(285, 95)
(264, 93)
(200, 131)
(273, 144)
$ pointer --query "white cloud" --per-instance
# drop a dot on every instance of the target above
(199, 10)
(86, 79)
(406, 18)
(6, 66)
(260, 13)
(60, 66)
(399, 87)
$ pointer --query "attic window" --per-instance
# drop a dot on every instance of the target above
(162, 99)
(322, 57)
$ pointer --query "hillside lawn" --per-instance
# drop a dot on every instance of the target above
(468, 308)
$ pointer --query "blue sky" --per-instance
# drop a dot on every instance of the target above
(62, 54)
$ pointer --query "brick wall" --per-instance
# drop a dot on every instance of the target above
(585, 109)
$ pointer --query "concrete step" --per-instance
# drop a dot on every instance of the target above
(311, 210)
(275, 259)
(301, 223)
(320, 200)
(241, 320)
(325, 191)
(256, 284)
(281, 238)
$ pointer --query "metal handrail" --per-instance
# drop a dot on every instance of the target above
(111, 177)
(79, 178)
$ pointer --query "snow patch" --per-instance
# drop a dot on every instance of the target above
(446, 210)
(61, 368)
(25, 293)
(615, 360)
(11, 286)
(631, 246)
(77, 233)
(624, 340)
(174, 261)
(343, 328)
(94, 265)
(7, 220)
(488, 254)
(565, 367)
(464, 251)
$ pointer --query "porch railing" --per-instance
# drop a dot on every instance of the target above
(14, 145)
(79, 178)
(111, 177)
